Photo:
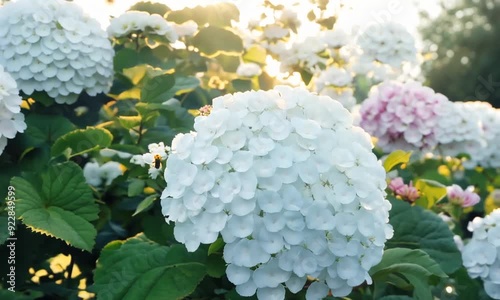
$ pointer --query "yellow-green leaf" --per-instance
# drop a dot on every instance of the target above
(432, 190)
(395, 158)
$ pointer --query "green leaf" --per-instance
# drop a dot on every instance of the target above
(138, 268)
(212, 41)
(416, 266)
(417, 228)
(229, 63)
(432, 190)
(81, 141)
(145, 204)
(395, 158)
(242, 85)
(45, 129)
(158, 89)
(58, 203)
(125, 58)
(9, 295)
(396, 297)
(328, 22)
(216, 266)
(129, 122)
(256, 54)
(135, 187)
(219, 14)
(151, 7)
(42, 97)
(185, 84)
(216, 246)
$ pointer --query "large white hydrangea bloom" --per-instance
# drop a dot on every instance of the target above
(52, 46)
(459, 130)
(134, 21)
(290, 184)
(481, 256)
(388, 43)
(11, 117)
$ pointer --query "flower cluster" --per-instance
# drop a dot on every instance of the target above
(290, 184)
(248, 70)
(403, 116)
(336, 83)
(464, 198)
(97, 175)
(154, 158)
(11, 118)
(388, 43)
(52, 46)
(472, 128)
(140, 21)
(459, 130)
(407, 192)
(481, 256)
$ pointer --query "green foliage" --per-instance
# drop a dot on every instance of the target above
(151, 7)
(395, 158)
(219, 14)
(158, 89)
(406, 269)
(214, 40)
(45, 129)
(82, 141)
(138, 268)
(430, 192)
(58, 203)
(417, 228)
(469, 41)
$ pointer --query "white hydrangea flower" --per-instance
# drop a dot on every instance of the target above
(290, 184)
(304, 54)
(481, 256)
(187, 28)
(248, 70)
(98, 175)
(52, 46)
(11, 118)
(343, 95)
(157, 154)
(388, 43)
(459, 131)
(108, 152)
(486, 154)
(134, 21)
(333, 76)
(335, 38)
(275, 32)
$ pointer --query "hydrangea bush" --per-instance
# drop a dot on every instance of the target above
(199, 154)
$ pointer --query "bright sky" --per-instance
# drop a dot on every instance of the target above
(363, 13)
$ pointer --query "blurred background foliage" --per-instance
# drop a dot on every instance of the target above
(463, 44)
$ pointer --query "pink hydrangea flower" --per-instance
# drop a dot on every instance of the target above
(464, 198)
(406, 191)
(402, 116)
